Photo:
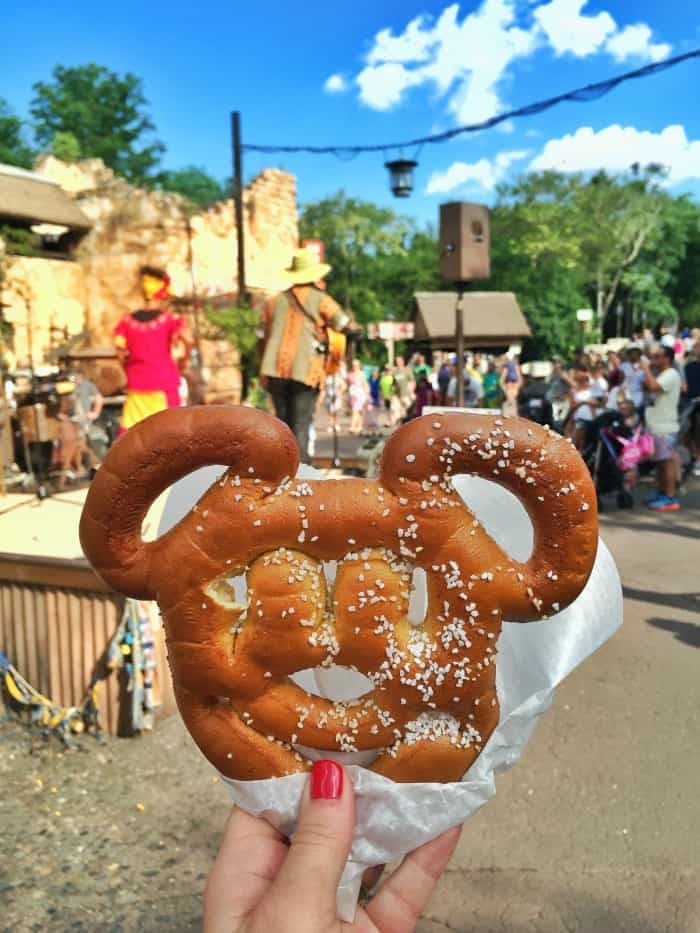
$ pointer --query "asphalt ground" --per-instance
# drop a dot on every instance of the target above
(596, 829)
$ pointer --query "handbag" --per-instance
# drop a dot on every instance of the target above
(634, 449)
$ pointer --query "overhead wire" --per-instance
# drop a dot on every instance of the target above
(582, 94)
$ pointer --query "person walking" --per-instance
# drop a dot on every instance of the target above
(661, 416)
(387, 390)
(358, 394)
(492, 386)
(405, 385)
(296, 323)
(147, 341)
(691, 381)
(443, 378)
(511, 381)
(374, 402)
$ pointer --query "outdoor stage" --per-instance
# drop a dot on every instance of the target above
(57, 617)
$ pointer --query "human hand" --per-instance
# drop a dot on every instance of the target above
(262, 884)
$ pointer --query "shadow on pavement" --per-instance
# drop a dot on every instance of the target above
(686, 602)
(687, 632)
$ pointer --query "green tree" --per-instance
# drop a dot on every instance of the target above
(106, 113)
(13, 149)
(682, 281)
(65, 146)
(562, 242)
(196, 184)
(379, 258)
(241, 325)
(535, 253)
(616, 219)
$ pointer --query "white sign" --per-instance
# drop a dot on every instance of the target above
(391, 330)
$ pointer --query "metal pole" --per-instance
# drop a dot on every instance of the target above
(459, 331)
(238, 199)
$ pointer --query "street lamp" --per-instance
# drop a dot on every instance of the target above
(401, 176)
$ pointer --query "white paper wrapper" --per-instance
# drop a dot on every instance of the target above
(393, 819)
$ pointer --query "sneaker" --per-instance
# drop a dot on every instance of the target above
(665, 504)
(647, 500)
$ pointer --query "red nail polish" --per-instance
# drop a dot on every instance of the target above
(326, 780)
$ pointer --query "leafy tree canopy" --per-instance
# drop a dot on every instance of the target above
(196, 184)
(65, 146)
(378, 257)
(612, 243)
(13, 149)
(106, 113)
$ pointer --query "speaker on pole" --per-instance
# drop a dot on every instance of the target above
(465, 244)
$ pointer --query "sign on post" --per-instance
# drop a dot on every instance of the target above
(391, 330)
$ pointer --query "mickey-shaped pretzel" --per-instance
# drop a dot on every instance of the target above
(433, 704)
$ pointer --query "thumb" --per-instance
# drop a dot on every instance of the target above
(320, 846)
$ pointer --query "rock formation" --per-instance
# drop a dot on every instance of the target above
(46, 299)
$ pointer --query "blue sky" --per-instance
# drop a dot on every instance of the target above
(397, 70)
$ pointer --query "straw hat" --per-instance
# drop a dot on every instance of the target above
(304, 268)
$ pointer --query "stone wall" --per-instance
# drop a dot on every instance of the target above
(131, 227)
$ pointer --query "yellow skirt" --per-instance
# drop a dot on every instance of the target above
(140, 405)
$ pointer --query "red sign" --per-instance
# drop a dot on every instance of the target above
(316, 248)
(391, 330)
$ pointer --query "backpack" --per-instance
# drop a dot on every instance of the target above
(634, 449)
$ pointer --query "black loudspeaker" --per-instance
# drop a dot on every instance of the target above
(465, 244)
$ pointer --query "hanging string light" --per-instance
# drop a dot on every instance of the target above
(401, 170)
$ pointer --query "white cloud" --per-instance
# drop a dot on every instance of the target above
(635, 42)
(466, 60)
(486, 173)
(411, 45)
(382, 87)
(617, 147)
(335, 84)
(569, 30)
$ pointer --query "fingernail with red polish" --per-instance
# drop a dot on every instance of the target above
(326, 780)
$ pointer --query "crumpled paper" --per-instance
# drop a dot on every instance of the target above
(391, 818)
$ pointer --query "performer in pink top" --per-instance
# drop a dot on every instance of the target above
(145, 341)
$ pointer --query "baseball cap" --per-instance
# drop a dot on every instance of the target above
(668, 340)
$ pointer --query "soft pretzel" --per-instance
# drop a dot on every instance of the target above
(434, 703)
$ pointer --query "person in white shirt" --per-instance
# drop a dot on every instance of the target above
(661, 416)
(634, 374)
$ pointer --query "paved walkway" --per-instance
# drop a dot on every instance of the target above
(595, 831)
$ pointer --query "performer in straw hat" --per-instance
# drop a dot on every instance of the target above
(296, 342)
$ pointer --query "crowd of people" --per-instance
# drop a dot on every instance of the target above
(653, 384)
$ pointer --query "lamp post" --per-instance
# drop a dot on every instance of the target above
(237, 191)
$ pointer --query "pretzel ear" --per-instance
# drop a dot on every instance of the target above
(153, 455)
(541, 468)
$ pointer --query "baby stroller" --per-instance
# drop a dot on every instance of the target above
(600, 452)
